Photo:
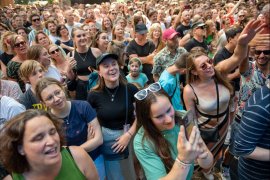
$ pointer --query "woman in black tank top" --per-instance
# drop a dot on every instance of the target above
(86, 61)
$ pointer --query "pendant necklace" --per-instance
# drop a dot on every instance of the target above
(112, 95)
(83, 59)
(66, 120)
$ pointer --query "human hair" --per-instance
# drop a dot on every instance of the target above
(103, 26)
(34, 52)
(11, 138)
(96, 38)
(33, 15)
(3, 45)
(27, 68)
(14, 39)
(41, 32)
(23, 28)
(120, 18)
(101, 83)
(135, 59)
(44, 83)
(151, 132)
(48, 22)
(181, 61)
(232, 32)
(155, 26)
(73, 33)
(58, 29)
(190, 78)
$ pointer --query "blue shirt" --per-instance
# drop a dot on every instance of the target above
(171, 84)
(141, 79)
(254, 132)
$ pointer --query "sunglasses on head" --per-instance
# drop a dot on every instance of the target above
(265, 52)
(17, 45)
(54, 51)
(205, 66)
(38, 19)
(142, 94)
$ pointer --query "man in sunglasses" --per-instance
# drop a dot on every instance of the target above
(36, 26)
(199, 32)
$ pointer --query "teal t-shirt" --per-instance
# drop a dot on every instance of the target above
(141, 79)
(149, 160)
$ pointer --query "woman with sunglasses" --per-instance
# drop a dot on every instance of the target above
(7, 55)
(63, 63)
(113, 100)
(19, 47)
(64, 41)
(85, 57)
(161, 147)
(79, 119)
(207, 93)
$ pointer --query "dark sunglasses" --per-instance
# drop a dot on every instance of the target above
(17, 45)
(54, 51)
(205, 66)
(35, 20)
(265, 52)
(200, 27)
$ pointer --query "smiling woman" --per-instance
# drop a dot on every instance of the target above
(38, 149)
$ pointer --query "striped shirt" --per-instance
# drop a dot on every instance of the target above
(254, 132)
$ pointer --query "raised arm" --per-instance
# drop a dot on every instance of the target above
(241, 50)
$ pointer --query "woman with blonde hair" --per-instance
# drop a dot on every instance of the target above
(7, 54)
(207, 93)
(211, 37)
(107, 26)
(155, 34)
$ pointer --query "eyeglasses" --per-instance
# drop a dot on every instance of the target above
(54, 51)
(17, 45)
(204, 66)
(265, 52)
(35, 20)
(142, 94)
(57, 93)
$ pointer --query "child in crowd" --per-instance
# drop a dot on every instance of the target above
(31, 72)
(135, 72)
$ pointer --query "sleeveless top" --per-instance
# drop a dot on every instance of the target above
(207, 108)
(13, 73)
(5, 58)
(84, 60)
(69, 168)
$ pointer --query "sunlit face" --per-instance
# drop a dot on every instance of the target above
(122, 23)
(36, 21)
(52, 27)
(109, 70)
(103, 41)
(44, 58)
(92, 28)
(204, 67)
(107, 23)
(41, 142)
(173, 43)
(43, 40)
(262, 55)
(20, 46)
(134, 69)
(156, 33)
(54, 97)
(55, 52)
(80, 38)
(119, 31)
(19, 21)
(64, 31)
(22, 33)
(35, 76)
(162, 113)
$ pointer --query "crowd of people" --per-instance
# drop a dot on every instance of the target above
(103, 91)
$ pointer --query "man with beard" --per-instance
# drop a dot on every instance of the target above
(90, 17)
(185, 25)
(51, 26)
(168, 55)
(254, 75)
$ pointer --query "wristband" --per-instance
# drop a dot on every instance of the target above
(129, 133)
(182, 163)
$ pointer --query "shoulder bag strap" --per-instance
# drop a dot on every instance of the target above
(197, 100)
(217, 99)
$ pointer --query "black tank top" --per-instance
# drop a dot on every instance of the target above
(84, 60)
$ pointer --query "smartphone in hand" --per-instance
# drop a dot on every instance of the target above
(189, 121)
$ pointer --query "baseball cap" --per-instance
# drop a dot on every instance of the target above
(141, 28)
(169, 34)
(104, 56)
(197, 24)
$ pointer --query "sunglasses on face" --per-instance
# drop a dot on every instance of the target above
(265, 52)
(201, 27)
(142, 94)
(54, 51)
(204, 66)
(35, 20)
(17, 45)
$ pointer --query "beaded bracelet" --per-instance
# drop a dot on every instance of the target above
(183, 164)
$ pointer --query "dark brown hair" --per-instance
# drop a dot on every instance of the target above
(11, 138)
(151, 133)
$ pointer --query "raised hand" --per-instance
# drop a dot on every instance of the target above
(250, 30)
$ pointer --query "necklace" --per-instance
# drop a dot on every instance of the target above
(112, 95)
(83, 59)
